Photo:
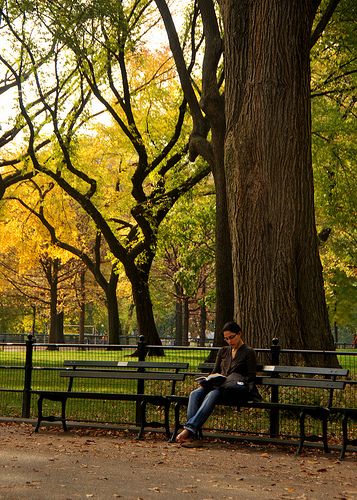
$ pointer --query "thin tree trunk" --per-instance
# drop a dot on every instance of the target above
(82, 307)
(186, 322)
(59, 327)
(51, 269)
(144, 310)
(224, 269)
(203, 325)
(114, 325)
(81, 325)
(178, 314)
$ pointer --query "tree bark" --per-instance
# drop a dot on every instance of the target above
(144, 310)
(52, 338)
(59, 327)
(186, 322)
(277, 272)
(114, 325)
(51, 267)
(178, 314)
(212, 103)
(82, 307)
(224, 271)
(203, 325)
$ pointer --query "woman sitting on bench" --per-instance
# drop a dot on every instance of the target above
(237, 362)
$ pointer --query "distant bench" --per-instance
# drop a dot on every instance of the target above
(274, 377)
(139, 371)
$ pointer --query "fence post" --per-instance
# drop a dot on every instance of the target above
(140, 384)
(275, 351)
(26, 396)
(141, 348)
(274, 413)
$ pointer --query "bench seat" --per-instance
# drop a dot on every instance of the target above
(276, 376)
(113, 370)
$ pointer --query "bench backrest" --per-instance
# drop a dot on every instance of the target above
(126, 364)
(205, 367)
(312, 377)
(125, 370)
(275, 376)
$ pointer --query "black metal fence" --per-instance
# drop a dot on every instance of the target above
(31, 366)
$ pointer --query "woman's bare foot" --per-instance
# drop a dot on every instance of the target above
(185, 435)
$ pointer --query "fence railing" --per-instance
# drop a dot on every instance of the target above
(98, 338)
(32, 365)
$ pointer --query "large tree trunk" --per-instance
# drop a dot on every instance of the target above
(277, 271)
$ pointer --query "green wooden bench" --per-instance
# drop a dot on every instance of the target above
(274, 377)
(140, 371)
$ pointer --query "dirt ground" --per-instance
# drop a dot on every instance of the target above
(87, 463)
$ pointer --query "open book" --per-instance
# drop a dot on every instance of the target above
(212, 380)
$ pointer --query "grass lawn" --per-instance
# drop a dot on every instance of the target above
(48, 363)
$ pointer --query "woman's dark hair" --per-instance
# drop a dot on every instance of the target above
(231, 326)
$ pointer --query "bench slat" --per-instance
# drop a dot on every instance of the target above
(302, 382)
(122, 375)
(305, 370)
(128, 364)
(58, 395)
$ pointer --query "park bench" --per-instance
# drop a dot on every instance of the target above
(139, 371)
(274, 377)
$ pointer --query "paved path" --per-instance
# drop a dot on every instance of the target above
(85, 464)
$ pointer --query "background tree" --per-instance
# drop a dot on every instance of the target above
(333, 85)
(74, 233)
(40, 277)
(206, 103)
(158, 172)
(184, 265)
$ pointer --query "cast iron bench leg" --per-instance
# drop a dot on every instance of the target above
(64, 401)
(324, 433)
(344, 436)
(142, 417)
(167, 418)
(177, 422)
(302, 433)
(39, 419)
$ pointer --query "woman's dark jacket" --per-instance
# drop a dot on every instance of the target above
(242, 368)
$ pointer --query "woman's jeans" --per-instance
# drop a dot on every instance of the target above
(201, 404)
